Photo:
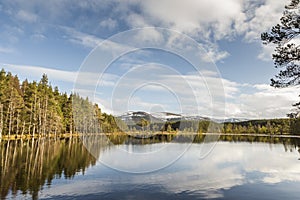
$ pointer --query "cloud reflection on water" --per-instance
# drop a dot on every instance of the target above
(228, 166)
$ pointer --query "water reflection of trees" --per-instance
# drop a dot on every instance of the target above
(199, 138)
(289, 143)
(28, 165)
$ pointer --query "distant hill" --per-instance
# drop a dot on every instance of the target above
(167, 121)
(134, 117)
(230, 120)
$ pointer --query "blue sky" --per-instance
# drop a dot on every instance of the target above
(57, 37)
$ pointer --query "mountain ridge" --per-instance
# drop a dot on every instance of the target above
(133, 117)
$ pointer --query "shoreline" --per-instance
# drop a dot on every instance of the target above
(255, 135)
(140, 135)
(28, 137)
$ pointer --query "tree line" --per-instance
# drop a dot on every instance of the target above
(265, 126)
(284, 126)
(36, 108)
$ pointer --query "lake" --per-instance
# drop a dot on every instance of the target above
(232, 167)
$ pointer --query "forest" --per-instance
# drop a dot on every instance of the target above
(288, 126)
(285, 126)
(37, 109)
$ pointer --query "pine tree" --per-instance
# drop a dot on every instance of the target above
(287, 52)
(32, 108)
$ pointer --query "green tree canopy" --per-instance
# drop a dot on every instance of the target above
(287, 52)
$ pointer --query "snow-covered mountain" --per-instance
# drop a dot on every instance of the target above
(230, 120)
(134, 117)
(167, 116)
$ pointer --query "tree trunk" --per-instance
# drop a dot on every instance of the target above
(33, 130)
(45, 116)
(10, 118)
(34, 114)
(18, 120)
(1, 120)
(23, 129)
(40, 118)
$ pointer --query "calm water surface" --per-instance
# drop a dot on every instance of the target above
(65, 169)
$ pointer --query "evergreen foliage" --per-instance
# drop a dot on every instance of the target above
(287, 52)
(31, 108)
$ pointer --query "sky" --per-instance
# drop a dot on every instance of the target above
(196, 57)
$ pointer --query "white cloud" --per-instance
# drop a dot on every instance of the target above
(207, 21)
(72, 77)
(263, 17)
(214, 54)
(150, 36)
(203, 20)
(113, 48)
(83, 39)
(204, 95)
(6, 50)
(38, 37)
(26, 16)
(36, 72)
(192, 91)
(11, 34)
(261, 101)
(109, 23)
(266, 52)
(190, 16)
(136, 21)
